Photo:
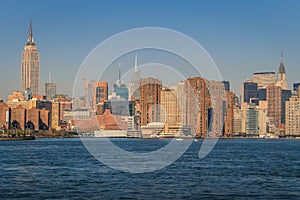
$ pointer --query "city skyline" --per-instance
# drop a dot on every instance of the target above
(255, 34)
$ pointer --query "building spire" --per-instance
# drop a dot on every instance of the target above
(135, 62)
(281, 66)
(30, 40)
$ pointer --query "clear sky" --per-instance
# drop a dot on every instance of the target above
(242, 36)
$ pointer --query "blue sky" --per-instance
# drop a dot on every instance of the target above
(241, 36)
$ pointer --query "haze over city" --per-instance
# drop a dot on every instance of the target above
(241, 37)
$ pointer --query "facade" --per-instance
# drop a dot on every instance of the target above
(292, 116)
(182, 104)
(263, 79)
(281, 76)
(30, 67)
(237, 120)
(274, 103)
(169, 107)
(296, 87)
(4, 115)
(249, 90)
(150, 94)
(50, 90)
(18, 118)
(100, 92)
(262, 110)
(229, 116)
(198, 104)
(218, 107)
(285, 96)
(226, 85)
(251, 121)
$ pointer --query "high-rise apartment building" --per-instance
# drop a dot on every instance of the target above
(218, 107)
(198, 105)
(150, 100)
(30, 67)
(169, 107)
(229, 115)
(285, 96)
(274, 103)
(100, 92)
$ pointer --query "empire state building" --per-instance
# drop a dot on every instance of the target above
(30, 69)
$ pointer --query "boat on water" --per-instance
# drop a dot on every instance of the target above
(17, 138)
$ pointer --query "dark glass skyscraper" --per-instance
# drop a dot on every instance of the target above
(226, 85)
(249, 90)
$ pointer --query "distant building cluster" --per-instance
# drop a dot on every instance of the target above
(194, 107)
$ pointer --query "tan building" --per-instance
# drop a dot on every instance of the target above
(237, 120)
(181, 99)
(55, 115)
(169, 106)
(274, 103)
(263, 79)
(262, 109)
(30, 68)
(150, 94)
(197, 105)
(292, 116)
(218, 99)
(229, 116)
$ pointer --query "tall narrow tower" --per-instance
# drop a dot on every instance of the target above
(30, 67)
(134, 83)
(281, 77)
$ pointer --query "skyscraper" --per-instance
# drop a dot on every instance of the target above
(198, 104)
(285, 96)
(226, 85)
(134, 91)
(281, 76)
(100, 92)
(30, 67)
(249, 90)
(150, 94)
(170, 106)
(50, 88)
(274, 103)
(120, 88)
(263, 79)
(228, 120)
